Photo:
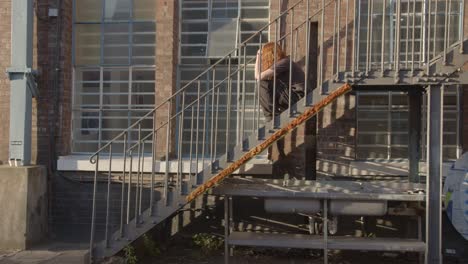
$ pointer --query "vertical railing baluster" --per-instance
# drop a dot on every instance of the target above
(254, 110)
(93, 216)
(197, 135)
(428, 54)
(213, 105)
(436, 10)
(369, 19)
(398, 34)
(407, 34)
(462, 26)
(153, 164)
(413, 37)
(180, 172)
(273, 123)
(215, 142)
(191, 148)
(204, 133)
(382, 58)
(108, 198)
(259, 83)
(244, 93)
(338, 40)
(168, 137)
(358, 36)
(142, 178)
(129, 191)
(447, 29)
(137, 190)
(307, 55)
(322, 50)
(291, 64)
(355, 36)
(371, 49)
(228, 110)
(122, 195)
(346, 37)
(334, 39)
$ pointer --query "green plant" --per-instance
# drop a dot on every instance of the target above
(150, 246)
(208, 243)
(130, 256)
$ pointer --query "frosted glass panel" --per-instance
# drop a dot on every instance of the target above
(87, 44)
(88, 11)
(144, 10)
(117, 10)
(222, 37)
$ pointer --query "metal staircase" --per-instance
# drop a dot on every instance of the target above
(194, 124)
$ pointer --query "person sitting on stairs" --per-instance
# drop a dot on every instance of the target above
(265, 66)
(266, 76)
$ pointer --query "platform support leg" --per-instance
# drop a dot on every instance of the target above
(434, 178)
(325, 231)
(226, 230)
(414, 133)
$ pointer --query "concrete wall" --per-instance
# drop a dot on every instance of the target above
(23, 207)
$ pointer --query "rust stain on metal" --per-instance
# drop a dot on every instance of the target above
(312, 111)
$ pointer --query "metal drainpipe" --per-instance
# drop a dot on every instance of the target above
(23, 86)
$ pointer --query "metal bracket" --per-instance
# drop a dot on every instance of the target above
(29, 74)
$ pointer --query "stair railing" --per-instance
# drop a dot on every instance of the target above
(197, 122)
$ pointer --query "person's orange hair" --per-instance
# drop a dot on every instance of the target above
(268, 55)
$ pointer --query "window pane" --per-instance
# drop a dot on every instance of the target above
(117, 10)
(144, 10)
(144, 44)
(87, 44)
(88, 11)
(222, 37)
(116, 44)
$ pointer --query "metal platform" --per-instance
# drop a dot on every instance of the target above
(318, 242)
(328, 197)
(339, 190)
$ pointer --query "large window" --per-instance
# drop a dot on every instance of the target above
(412, 23)
(382, 125)
(114, 74)
(209, 30)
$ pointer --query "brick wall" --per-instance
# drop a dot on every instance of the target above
(167, 47)
(5, 46)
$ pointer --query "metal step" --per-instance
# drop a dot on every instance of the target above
(318, 242)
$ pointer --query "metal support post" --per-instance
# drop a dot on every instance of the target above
(434, 178)
(414, 133)
(226, 229)
(23, 86)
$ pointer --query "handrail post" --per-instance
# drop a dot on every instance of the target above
(307, 54)
(93, 216)
(109, 175)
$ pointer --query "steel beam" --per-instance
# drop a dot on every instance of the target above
(414, 133)
(434, 179)
(23, 86)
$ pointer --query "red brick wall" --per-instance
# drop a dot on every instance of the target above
(5, 46)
